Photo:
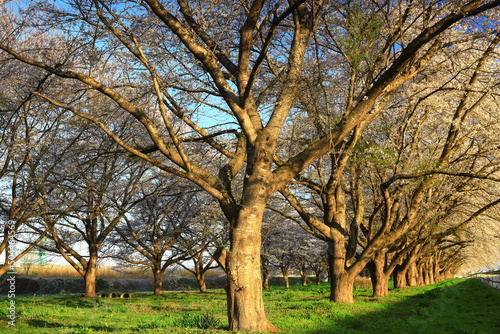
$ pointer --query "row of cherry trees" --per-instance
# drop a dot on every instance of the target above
(372, 120)
(72, 193)
(87, 190)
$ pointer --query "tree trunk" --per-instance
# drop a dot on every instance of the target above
(200, 278)
(429, 274)
(448, 274)
(317, 275)
(380, 286)
(342, 283)
(436, 268)
(341, 289)
(400, 277)
(420, 275)
(91, 276)
(265, 282)
(284, 272)
(303, 276)
(412, 275)
(244, 281)
(380, 281)
(438, 273)
(7, 264)
(158, 281)
(265, 277)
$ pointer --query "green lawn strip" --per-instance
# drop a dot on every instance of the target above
(456, 306)
(452, 306)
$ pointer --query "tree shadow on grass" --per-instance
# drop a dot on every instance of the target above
(451, 307)
(47, 324)
(72, 301)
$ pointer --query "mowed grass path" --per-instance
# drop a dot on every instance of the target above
(457, 306)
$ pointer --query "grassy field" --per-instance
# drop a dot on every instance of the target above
(457, 306)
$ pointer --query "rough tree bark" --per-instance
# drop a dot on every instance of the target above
(245, 304)
(379, 278)
(400, 277)
(342, 282)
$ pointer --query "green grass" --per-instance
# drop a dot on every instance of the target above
(456, 306)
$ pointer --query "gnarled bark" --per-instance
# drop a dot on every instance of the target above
(245, 304)
(379, 278)
(342, 282)
(400, 277)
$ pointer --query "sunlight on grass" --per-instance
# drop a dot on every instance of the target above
(453, 306)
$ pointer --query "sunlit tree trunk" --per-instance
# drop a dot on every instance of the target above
(244, 282)
(158, 281)
(342, 286)
(429, 270)
(285, 273)
(379, 278)
(420, 274)
(91, 274)
(342, 283)
(6, 250)
(412, 275)
(303, 275)
(200, 278)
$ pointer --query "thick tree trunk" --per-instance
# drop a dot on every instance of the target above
(420, 275)
(428, 274)
(412, 275)
(341, 289)
(438, 273)
(200, 278)
(158, 281)
(91, 276)
(90, 283)
(400, 277)
(342, 283)
(265, 281)
(436, 268)
(380, 286)
(380, 281)
(3, 269)
(244, 281)
(430, 270)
